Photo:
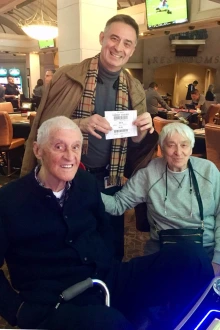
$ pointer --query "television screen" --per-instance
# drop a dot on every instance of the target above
(46, 43)
(161, 13)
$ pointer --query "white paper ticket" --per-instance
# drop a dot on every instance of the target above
(121, 123)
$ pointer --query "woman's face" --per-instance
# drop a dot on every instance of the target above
(177, 150)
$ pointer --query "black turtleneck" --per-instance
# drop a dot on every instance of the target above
(106, 92)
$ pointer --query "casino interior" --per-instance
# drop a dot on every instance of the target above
(173, 52)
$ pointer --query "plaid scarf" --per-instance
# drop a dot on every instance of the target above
(86, 109)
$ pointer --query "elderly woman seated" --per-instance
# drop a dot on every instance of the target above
(168, 187)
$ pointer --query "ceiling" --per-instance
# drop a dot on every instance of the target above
(12, 11)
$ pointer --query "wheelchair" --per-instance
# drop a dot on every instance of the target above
(82, 286)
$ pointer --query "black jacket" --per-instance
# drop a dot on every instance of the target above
(48, 248)
(210, 96)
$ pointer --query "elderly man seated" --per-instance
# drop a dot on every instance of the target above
(54, 233)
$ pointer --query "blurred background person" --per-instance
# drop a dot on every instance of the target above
(210, 96)
(12, 92)
(153, 98)
(38, 92)
(198, 100)
(2, 93)
(48, 76)
(190, 89)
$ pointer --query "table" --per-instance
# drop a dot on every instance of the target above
(163, 112)
(193, 120)
(21, 126)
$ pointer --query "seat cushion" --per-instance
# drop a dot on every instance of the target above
(14, 144)
(6, 106)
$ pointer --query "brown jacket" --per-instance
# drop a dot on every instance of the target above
(62, 97)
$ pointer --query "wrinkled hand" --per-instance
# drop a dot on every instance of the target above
(144, 125)
(93, 124)
(216, 268)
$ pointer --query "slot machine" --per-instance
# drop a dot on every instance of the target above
(3, 76)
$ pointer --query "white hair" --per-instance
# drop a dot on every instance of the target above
(59, 122)
(172, 128)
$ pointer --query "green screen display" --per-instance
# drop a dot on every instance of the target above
(46, 43)
(161, 13)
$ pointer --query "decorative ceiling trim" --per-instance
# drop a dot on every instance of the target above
(5, 21)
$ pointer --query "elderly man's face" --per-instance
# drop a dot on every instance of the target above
(60, 156)
(118, 44)
(177, 150)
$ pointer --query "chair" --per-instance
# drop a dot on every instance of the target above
(212, 110)
(159, 123)
(145, 152)
(6, 106)
(209, 103)
(82, 166)
(212, 138)
(7, 143)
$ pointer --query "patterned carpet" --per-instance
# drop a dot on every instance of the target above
(134, 240)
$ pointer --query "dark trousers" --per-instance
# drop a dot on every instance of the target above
(117, 222)
(14, 103)
(173, 278)
(36, 100)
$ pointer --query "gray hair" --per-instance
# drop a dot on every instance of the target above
(60, 122)
(172, 128)
(126, 19)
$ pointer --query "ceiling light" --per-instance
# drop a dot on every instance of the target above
(38, 27)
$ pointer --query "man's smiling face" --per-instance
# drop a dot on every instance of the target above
(59, 156)
(118, 44)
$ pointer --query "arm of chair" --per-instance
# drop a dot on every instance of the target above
(142, 223)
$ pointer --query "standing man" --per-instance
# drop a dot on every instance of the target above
(191, 88)
(11, 92)
(153, 98)
(84, 92)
